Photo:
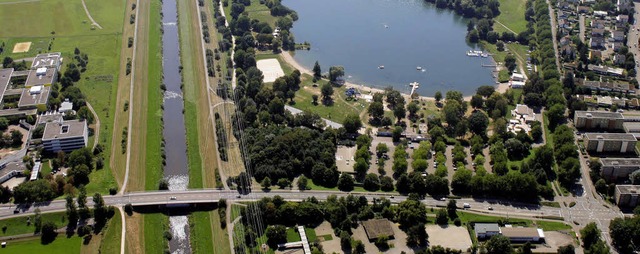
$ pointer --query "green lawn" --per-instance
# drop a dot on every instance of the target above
(191, 91)
(511, 15)
(19, 225)
(313, 186)
(467, 218)
(154, 226)
(154, 112)
(62, 245)
(260, 12)
(111, 241)
(200, 236)
(40, 18)
(335, 112)
(294, 236)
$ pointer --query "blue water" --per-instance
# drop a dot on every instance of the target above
(352, 33)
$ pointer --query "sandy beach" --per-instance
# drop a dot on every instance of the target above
(287, 57)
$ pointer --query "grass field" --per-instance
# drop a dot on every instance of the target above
(304, 101)
(154, 227)
(61, 17)
(19, 225)
(201, 236)
(294, 236)
(193, 75)
(260, 12)
(62, 245)
(466, 218)
(511, 15)
(111, 238)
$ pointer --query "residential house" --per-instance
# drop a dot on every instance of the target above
(622, 5)
(486, 230)
(618, 169)
(562, 15)
(587, 2)
(564, 5)
(627, 195)
(602, 120)
(518, 77)
(623, 19)
(523, 112)
(598, 23)
(610, 142)
(618, 59)
(595, 54)
(597, 32)
(596, 42)
(617, 36)
(565, 40)
(583, 9)
(564, 23)
(617, 46)
(65, 135)
(567, 50)
(605, 70)
(523, 234)
(601, 14)
(633, 103)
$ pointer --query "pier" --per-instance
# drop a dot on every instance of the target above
(413, 86)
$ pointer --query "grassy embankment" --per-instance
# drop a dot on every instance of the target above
(62, 26)
(62, 245)
(19, 225)
(511, 16)
(112, 235)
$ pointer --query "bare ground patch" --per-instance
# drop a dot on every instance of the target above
(449, 237)
(21, 47)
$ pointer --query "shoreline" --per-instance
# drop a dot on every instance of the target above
(288, 58)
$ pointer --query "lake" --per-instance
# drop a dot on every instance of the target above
(401, 35)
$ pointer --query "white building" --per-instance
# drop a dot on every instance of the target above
(65, 135)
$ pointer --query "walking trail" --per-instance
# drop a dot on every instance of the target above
(93, 22)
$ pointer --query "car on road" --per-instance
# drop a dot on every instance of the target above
(466, 206)
(172, 198)
(443, 199)
(490, 208)
(238, 196)
(17, 210)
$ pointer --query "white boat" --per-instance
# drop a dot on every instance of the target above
(381, 67)
(418, 68)
(385, 26)
(472, 53)
(484, 55)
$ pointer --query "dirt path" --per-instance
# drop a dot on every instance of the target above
(21, 2)
(506, 27)
(93, 22)
(97, 130)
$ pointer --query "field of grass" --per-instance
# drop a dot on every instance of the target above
(154, 226)
(153, 140)
(62, 245)
(64, 18)
(201, 236)
(511, 15)
(335, 112)
(111, 238)
(193, 75)
(466, 218)
(260, 12)
(220, 235)
(20, 225)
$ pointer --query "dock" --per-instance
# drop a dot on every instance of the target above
(414, 86)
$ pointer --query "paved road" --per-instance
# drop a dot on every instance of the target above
(632, 38)
(582, 27)
(212, 195)
(554, 28)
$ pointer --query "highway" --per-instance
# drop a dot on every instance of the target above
(213, 195)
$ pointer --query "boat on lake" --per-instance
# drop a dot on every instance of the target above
(419, 68)
(381, 67)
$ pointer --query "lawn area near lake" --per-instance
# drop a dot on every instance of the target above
(511, 16)
(62, 245)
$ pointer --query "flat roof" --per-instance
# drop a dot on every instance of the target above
(600, 114)
(512, 232)
(5, 78)
(34, 79)
(631, 126)
(46, 60)
(377, 227)
(27, 99)
(620, 161)
(481, 228)
(628, 189)
(35, 171)
(610, 136)
(65, 129)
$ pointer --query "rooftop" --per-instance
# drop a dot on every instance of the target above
(65, 129)
(27, 99)
(34, 79)
(5, 78)
(611, 136)
(46, 60)
(520, 232)
(482, 228)
(628, 189)
(599, 114)
(377, 227)
(620, 162)
(631, 127)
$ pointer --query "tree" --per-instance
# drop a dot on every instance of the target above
(477, 101)
(276, 234)
(314, 99)
(327, 92)
(317, 72)
(302, 183)
(381, 149)
(345, 182)
(358, 248)
(499, 244)
(510, 62)
(452, 208)
(399, 111)
(590, 235)
(266, 183)
(371, 182)
(500, 46)
(99, 211)
(555, 115)
(48, 232)
(397, 133)
(4, 124)
(441, 217)
(284, 183)
(478, 123)
(419, 165)
(376, 110)
(413, 108)
(386, 183)
(352, 123)
(72, 211)
(567, 249)
(335, 72)
(438, 97)
(526, 248)
(417, 235)
(411, 212)
(345, 241)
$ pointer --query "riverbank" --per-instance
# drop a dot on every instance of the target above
(287, 57)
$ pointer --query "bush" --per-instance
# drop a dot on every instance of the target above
(113, 191)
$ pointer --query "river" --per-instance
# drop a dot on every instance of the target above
(400, 35)
(176, 168)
